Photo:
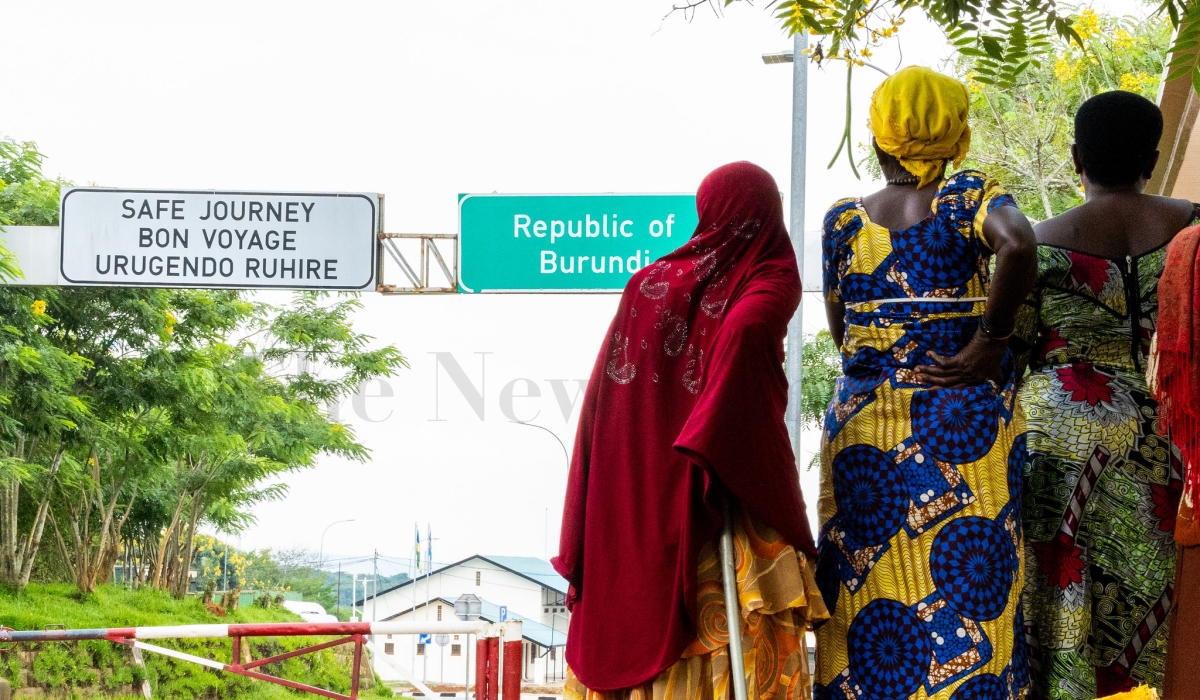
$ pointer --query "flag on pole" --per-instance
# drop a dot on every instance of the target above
(417, 531)
(429, 546)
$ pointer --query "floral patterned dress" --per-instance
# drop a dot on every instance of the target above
(1102, 482)
(920, 538)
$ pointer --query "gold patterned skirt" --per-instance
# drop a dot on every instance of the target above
(779, 598)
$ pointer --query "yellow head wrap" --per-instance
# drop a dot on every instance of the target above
(920, 117)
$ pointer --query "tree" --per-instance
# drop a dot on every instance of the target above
(1007, 37)
(129, 417)
(27, 198)
(244, 412)
(820, 368)
(39, 407)
(1022, 134)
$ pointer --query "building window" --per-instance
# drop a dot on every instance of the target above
(532, 653)
(553, 598)
(478, 577)
(389, 648)
(420, 650)
(439, 613)
(455, 650)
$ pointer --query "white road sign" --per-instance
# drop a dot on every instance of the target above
(158, 238)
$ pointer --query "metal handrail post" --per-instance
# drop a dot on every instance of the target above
(733, 606)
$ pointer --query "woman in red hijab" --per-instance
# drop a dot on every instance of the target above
(684, 408)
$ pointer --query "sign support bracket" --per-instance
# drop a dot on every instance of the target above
(419, 278)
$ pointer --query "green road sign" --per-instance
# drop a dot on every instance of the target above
(566, 243)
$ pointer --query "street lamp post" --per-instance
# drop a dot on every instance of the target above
(567, 455)
(795, 332)
(795, 342)
(321, 551)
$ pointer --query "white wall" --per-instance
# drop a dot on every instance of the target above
(438, 665)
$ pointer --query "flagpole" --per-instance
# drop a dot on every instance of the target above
(416, 569)
(428, 573)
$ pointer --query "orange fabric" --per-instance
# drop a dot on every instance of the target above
(779, 597)
(1174, 374)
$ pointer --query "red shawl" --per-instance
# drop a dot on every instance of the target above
(1175, 369)
(688, 394)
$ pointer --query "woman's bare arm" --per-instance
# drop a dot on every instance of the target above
(835, 314)
(1009, 234)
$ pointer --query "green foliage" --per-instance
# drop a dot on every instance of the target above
(59, 666)
(98, 665)
(1021, 134)
(1185, 58)
(1004, 35)
(19, 160)
(27, 197)
(821, 367)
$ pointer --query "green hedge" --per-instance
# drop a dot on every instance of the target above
(98, 667)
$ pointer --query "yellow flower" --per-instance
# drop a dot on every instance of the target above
(1123, 39)
(1088, 24)
(866, 53)
(38, 306)
(1131, 83)
(1064, 70)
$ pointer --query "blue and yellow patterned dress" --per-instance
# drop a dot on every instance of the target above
(920, 538)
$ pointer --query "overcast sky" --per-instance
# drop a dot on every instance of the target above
(421, 101)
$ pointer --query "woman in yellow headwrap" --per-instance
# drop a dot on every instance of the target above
(920, 545)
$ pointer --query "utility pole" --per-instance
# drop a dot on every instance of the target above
(375, 586)
(339, 592)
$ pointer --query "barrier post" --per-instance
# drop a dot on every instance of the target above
(513, 654)
(358, 649)
(493, 670)
(481, 667)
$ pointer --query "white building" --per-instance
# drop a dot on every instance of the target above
(528, 588)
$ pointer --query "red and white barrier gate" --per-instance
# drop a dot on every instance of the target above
(498, 648)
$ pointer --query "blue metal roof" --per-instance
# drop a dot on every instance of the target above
(539, 570)
(535, 632)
